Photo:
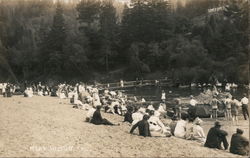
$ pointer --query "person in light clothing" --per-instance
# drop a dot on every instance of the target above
(193, 102)
(90, 114)
(228, 113)
(198, 132)
(156, 127)
(151, 107)
(244, 102)
(137, 116)
(163, 96)
(180, 129)
(214, 103)
(234, 109)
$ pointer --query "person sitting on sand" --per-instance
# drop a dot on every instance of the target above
(151, 107)
(156, 127)
(239, 144)
(128, 115)
(216, 136)
(137, 115)
(90, 114)
(198, 132)
(28, 92)
(172, 124)
(189, 129)
(143, 126)
(180, 129)
(97, 118)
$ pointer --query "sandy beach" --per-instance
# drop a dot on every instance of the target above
(50, 127)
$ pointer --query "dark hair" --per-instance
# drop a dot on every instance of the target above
(147, 111)
(146, 117)
(184, 116)
(151, 112)
(156, 106)
(98, 107)
(174, 118)
(240, 131)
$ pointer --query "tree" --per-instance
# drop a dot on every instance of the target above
(55, 43)
(108, 31)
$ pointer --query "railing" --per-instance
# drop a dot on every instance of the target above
(139, 83)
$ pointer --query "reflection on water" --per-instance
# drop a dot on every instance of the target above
(154, 93)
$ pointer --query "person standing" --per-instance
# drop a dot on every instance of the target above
(234, 110)
(216, 136)
(239, 144)
(192, 108)
(177, 108)
(214, 103)
(163, 96)
(244, 102)
(227, 103)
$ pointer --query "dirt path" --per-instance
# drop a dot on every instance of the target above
(47, 126)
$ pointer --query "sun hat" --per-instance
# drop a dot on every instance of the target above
(240, 131)
(198, 121)
(217, 124)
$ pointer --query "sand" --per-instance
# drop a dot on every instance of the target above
(50, 127)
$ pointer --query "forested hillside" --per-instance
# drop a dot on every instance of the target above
(106, 40)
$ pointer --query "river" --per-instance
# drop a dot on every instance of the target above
(153, 93)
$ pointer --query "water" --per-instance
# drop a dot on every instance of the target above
(153, 93)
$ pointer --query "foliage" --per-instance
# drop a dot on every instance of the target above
(42, 40)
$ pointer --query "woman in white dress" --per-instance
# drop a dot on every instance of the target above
(156, 127)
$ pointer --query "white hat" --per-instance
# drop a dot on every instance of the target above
(198, 121)
(142, 110)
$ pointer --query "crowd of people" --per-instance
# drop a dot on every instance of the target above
(147, 116)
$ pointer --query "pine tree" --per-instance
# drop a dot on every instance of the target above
(55, 42)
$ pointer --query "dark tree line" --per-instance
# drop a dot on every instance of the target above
(90, 39)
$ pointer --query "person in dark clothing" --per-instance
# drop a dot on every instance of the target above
(216, 136)
(98, 120)
(192, 112)
(143, 126)
(239, 144)
(245, 102)
(128, 115)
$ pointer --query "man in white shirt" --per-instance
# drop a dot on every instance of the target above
(137, 116)
(193, 102)
(244, 102)
(163, 96)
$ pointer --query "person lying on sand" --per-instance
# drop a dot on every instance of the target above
(98, 120)
(143, 126)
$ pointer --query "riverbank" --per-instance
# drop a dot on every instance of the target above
(50, 127)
